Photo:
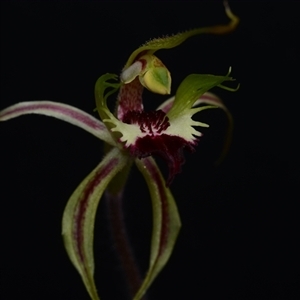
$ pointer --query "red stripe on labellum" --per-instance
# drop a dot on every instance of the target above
(84, 202)
(170, 148)
(152, 122)
(164, 205)
(74, 114)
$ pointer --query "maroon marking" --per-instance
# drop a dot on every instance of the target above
(153, 120)
(142, 53)
(204, 97)
(130, 98)
(143, 62)
(86, 119)
(166, 108)
(163, 239)
(84, 202)
(170, 148)
(210, 98)
(122, 242)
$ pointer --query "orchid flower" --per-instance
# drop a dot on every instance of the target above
(132, 135)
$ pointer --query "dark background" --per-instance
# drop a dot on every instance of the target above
(240, 234)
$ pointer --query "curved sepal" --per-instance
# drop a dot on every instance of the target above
(166, 221)
(206, 98)
(79, 217)
(212, 99)
(175, 40)
(62, 112)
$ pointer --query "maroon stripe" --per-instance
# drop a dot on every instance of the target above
(122, 243)
(204, 97)
(168, 107)
(164, 204)
(84, 202)
(130, 98)
(64, 110)
(207, 97)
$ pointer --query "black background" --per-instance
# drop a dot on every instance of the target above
(240, 234)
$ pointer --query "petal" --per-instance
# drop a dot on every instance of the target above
(60, 111)
(212, 99)
(79, 217)
(166, 105)
(175, 40)
(207, 98)
(166, 221)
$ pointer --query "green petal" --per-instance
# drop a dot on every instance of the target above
(166, 221)
(192, 88)
(79, 217)
(175, 40)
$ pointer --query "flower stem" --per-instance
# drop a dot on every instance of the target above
(121, 242)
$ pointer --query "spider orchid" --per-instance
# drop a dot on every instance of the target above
(132, 135)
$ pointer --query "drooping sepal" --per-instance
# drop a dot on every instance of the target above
(212, 99)
(166, 222)
(79, 217)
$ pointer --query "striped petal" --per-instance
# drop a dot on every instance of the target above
(79, 217)
(211, 99)
(60, 111)
(166, 221)
(206, 98)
